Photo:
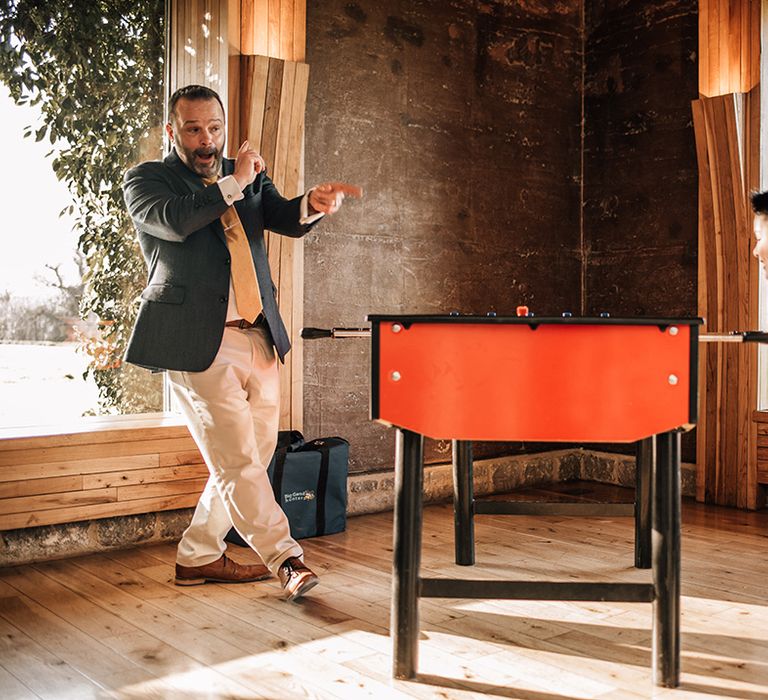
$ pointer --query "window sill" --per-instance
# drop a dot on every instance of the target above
(97, 429)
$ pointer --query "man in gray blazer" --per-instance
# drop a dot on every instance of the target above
(222, 364)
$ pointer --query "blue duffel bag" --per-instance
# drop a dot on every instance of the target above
(309, 480)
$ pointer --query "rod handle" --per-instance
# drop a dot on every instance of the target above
(314, 333)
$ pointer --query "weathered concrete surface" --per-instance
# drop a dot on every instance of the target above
(640, 176)
(74, 539)
(640, 179)
(461, 120)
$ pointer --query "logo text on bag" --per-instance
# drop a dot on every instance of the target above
(299, 496)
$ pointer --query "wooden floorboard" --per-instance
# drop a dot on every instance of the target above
(114, 626)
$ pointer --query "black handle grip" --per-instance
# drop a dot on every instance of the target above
(755, 337)
(314, 333)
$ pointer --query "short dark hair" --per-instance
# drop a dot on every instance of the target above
(759, 202)
(192, 92)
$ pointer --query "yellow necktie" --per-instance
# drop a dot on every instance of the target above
(244, 280)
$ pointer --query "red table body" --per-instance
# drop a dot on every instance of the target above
(547, 379)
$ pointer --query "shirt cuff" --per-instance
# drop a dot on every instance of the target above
(230, 190)
(306, 217)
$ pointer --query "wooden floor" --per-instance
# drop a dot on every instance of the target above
(114, 625)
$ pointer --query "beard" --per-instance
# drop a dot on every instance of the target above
(206, 162)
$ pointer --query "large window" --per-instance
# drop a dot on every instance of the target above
(85, 82)
(41, 370)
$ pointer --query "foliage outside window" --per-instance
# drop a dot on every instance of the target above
(96, 71)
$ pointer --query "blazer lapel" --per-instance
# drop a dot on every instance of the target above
(194, 183)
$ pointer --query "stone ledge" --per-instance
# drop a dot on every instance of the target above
(368, 493)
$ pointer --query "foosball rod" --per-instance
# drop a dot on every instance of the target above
(734, 337)
(314, 333)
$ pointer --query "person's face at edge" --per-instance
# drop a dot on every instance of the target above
(197, 130)
(760, 251)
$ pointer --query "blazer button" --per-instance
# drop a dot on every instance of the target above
(228, 261)
(223, 300)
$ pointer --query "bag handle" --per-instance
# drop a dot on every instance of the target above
(322, 486)
(277, 475)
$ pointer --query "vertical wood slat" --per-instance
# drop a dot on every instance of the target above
(254, 95)
(732, 57)
(705, 449)
(233, 48)
(268, 136)
(299, 31)
(713, 43)
(727, 144)
(273, 22)
(724, 129)
(295, 183)
(286, 49)
(752, 496)
(273, 100)
(705, 47)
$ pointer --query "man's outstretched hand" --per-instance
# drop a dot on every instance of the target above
(327, 198)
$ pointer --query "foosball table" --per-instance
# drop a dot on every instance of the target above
(544, 379)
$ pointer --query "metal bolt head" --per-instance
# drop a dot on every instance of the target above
(395, 376)
(673, 379)
(396, 328)
(673, 330)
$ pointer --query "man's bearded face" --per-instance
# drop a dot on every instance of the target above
(197, 130)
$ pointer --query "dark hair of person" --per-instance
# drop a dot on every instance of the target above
(759, 202)
(192, 92)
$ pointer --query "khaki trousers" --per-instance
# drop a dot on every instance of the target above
(232, 410)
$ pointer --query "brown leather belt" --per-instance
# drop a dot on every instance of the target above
(242, 324)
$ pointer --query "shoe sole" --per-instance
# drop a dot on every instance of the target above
(305, 587)
(199, 581)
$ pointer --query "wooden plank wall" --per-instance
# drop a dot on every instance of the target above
(273, 98)
(100, 469)
(727, 129)
(276, 29)
(729, 46)
(198, 51)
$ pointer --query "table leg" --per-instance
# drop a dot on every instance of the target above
(646, 455)
(463, 497)
(666, 561)
(409, 469)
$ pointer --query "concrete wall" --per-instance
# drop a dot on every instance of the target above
(640, 178)
(462, 122)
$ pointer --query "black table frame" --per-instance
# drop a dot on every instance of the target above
(466, 506)
(664, 592)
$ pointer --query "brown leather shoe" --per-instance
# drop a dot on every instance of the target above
(223, 570)
(296, 578)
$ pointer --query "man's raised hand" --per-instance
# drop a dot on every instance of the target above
(327, 198)
(248, 164)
